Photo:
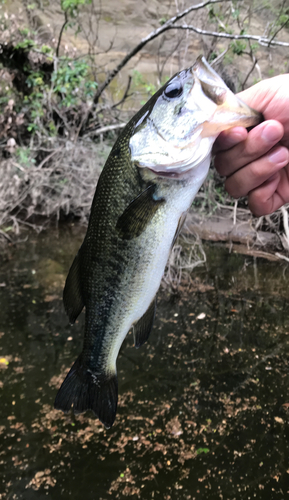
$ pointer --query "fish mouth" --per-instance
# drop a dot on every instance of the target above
(231, 111)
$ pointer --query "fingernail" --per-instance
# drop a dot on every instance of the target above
(278, 156)
(271, 133)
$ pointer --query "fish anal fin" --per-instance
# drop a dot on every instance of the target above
(179, 227)
(138, 214)
(72, 298)
(143, 328)
(84, 390)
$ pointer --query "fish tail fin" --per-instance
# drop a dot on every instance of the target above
(86, 390)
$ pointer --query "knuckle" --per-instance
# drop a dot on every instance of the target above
(233, 188)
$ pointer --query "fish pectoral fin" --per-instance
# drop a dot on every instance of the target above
(83, 390)
(143, 328)
(72, 298)
(138, 214)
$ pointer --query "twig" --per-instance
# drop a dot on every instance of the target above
(48, 158)
(276, 33)
(285, 222)
(235, 212)
(276, 20)
(228, 207)
(282, 256)
(255, 61)
(285, 237)
(61, 33)
(5, 235)
(102, 130)
(261, 40)
(125, 95)
(219, 58)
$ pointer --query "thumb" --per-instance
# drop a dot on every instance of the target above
(229, 138)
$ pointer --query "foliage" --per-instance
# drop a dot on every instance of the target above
(199, 451)
(69, 85)
(51, 87)
(71, 80)
(26, 44)
(71, 10)
(238, 47)
(141, 84)
(72, 6)
(24, 157)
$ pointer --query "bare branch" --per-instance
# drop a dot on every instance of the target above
(277, 31)
(255, 64)
(61, 33)
(107, 128)
(219, 58)
(261, 40)
(125, 95)
(281, 256)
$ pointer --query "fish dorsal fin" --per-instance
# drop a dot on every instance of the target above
(72, 298)
(138, 214)
(143, 328)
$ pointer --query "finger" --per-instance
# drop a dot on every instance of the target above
(259, 141)
(265, 199)
(253, 175)
(229, 138)
(262, 95)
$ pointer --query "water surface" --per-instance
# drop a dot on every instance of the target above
(203, 406)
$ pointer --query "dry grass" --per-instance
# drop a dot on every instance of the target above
(63, 182)
(186, 254)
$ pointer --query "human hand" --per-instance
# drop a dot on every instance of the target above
(256, 163)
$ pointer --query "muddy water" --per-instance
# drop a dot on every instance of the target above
(203, 407)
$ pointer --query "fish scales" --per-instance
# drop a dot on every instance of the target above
(148, 183)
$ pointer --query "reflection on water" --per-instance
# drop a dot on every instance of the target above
(203, 406)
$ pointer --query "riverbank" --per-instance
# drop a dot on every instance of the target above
(59, 115)
(60, 188)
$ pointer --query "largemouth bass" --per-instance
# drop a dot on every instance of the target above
(148, 183)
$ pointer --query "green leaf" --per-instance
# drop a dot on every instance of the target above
(199, 451)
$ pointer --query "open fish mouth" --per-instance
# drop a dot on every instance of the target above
(231, 111)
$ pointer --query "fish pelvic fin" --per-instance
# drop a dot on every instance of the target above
(84, 390)
(138, 214)
(143, 328)
(72, 298)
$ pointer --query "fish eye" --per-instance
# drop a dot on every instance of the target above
(174, 89)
